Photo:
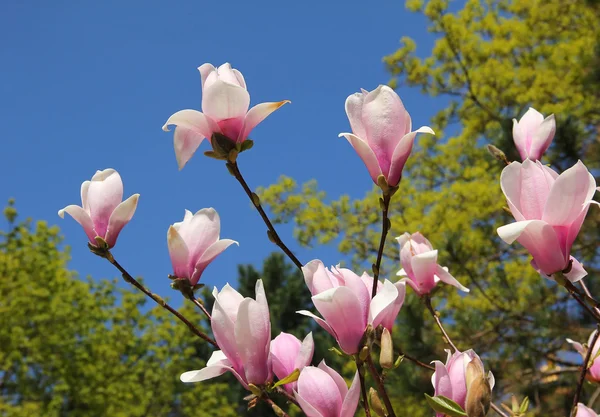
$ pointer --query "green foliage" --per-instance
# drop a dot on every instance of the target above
(492, 59)
(70, 347)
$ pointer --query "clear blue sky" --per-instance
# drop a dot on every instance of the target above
(87, 85)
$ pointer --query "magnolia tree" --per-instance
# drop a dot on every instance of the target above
(357, 310)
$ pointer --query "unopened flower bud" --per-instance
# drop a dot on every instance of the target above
(376, 404)
(386, 356)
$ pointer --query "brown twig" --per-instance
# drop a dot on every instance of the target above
(415, 360)
(584, 369)
(201, 307)
(385, 227)
(278, 411)
(498, 410)
(427, 301)
(363, 391)
(158, 300)
(380, 387)
(287, 395)
(235, 171)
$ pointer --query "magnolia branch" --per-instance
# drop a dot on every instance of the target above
(427, 302)
(201, 306)
(385, 227)
(380, 386)
(363, 391)
(157, 299)
(584, 369)
(273, 236)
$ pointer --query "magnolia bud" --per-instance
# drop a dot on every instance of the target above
(479, 393)
(386, 356)
(376, 404)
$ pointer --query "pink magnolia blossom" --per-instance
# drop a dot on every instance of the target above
(344, 300)
(242, 329)
(194, 243)
(451, 380)
(419, 262)
(549, 209)
(583, 411)
(594, 368)
(322, 392)
(103, 213)
(288, 354)
(381, 132)
(225, 102)
(533, 134)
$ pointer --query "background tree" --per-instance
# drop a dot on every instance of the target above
(76, 348)
(492, 60)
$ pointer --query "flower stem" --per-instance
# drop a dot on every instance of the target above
(427, 301)
(363, 390)
(584, 369)
(385, 227)
(158, 300)
(235, 171)
(201, 307)
(380, 387)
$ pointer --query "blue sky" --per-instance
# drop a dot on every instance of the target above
(88, 85)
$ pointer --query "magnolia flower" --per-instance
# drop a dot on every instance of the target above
(583, 411)
(549, 209)
(242, 329)
(462, 379)
(593, 367)
(289, 354)
(344, 300)
(533, 134)
(225, 103)
(194, 243)
(103, 213)
(381, 132)
(419, 262)
(322, 392)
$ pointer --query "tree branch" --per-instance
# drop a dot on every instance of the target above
(427, 301)
(380, 386)
(157, 299)
(273, 236)
(385, 227)
(584, 369)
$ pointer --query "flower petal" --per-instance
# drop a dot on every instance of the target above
(186, 142)
(351, 400)
(354, 106)
(81, 217)
(193, 120)
(337, 378)
(256, 115)
(319, 321)
(208, 256)
(105, 193)
(578, 347)
(383, 304)
(365, 153)
(540, 239)
(510, 182)
(446, 277)
(222, 100)
(178, 253)
(308, 409)
(441, 380)
(542, 137)
(320, 390)
(424, 266)
(401, 154)
(577, 271)
(205, 70)
(341, 309)
(253, 337)
(224, 331)
(119, 218)
(571, 190)
(307, 350)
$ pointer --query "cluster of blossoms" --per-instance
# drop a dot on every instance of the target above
(358, 311)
